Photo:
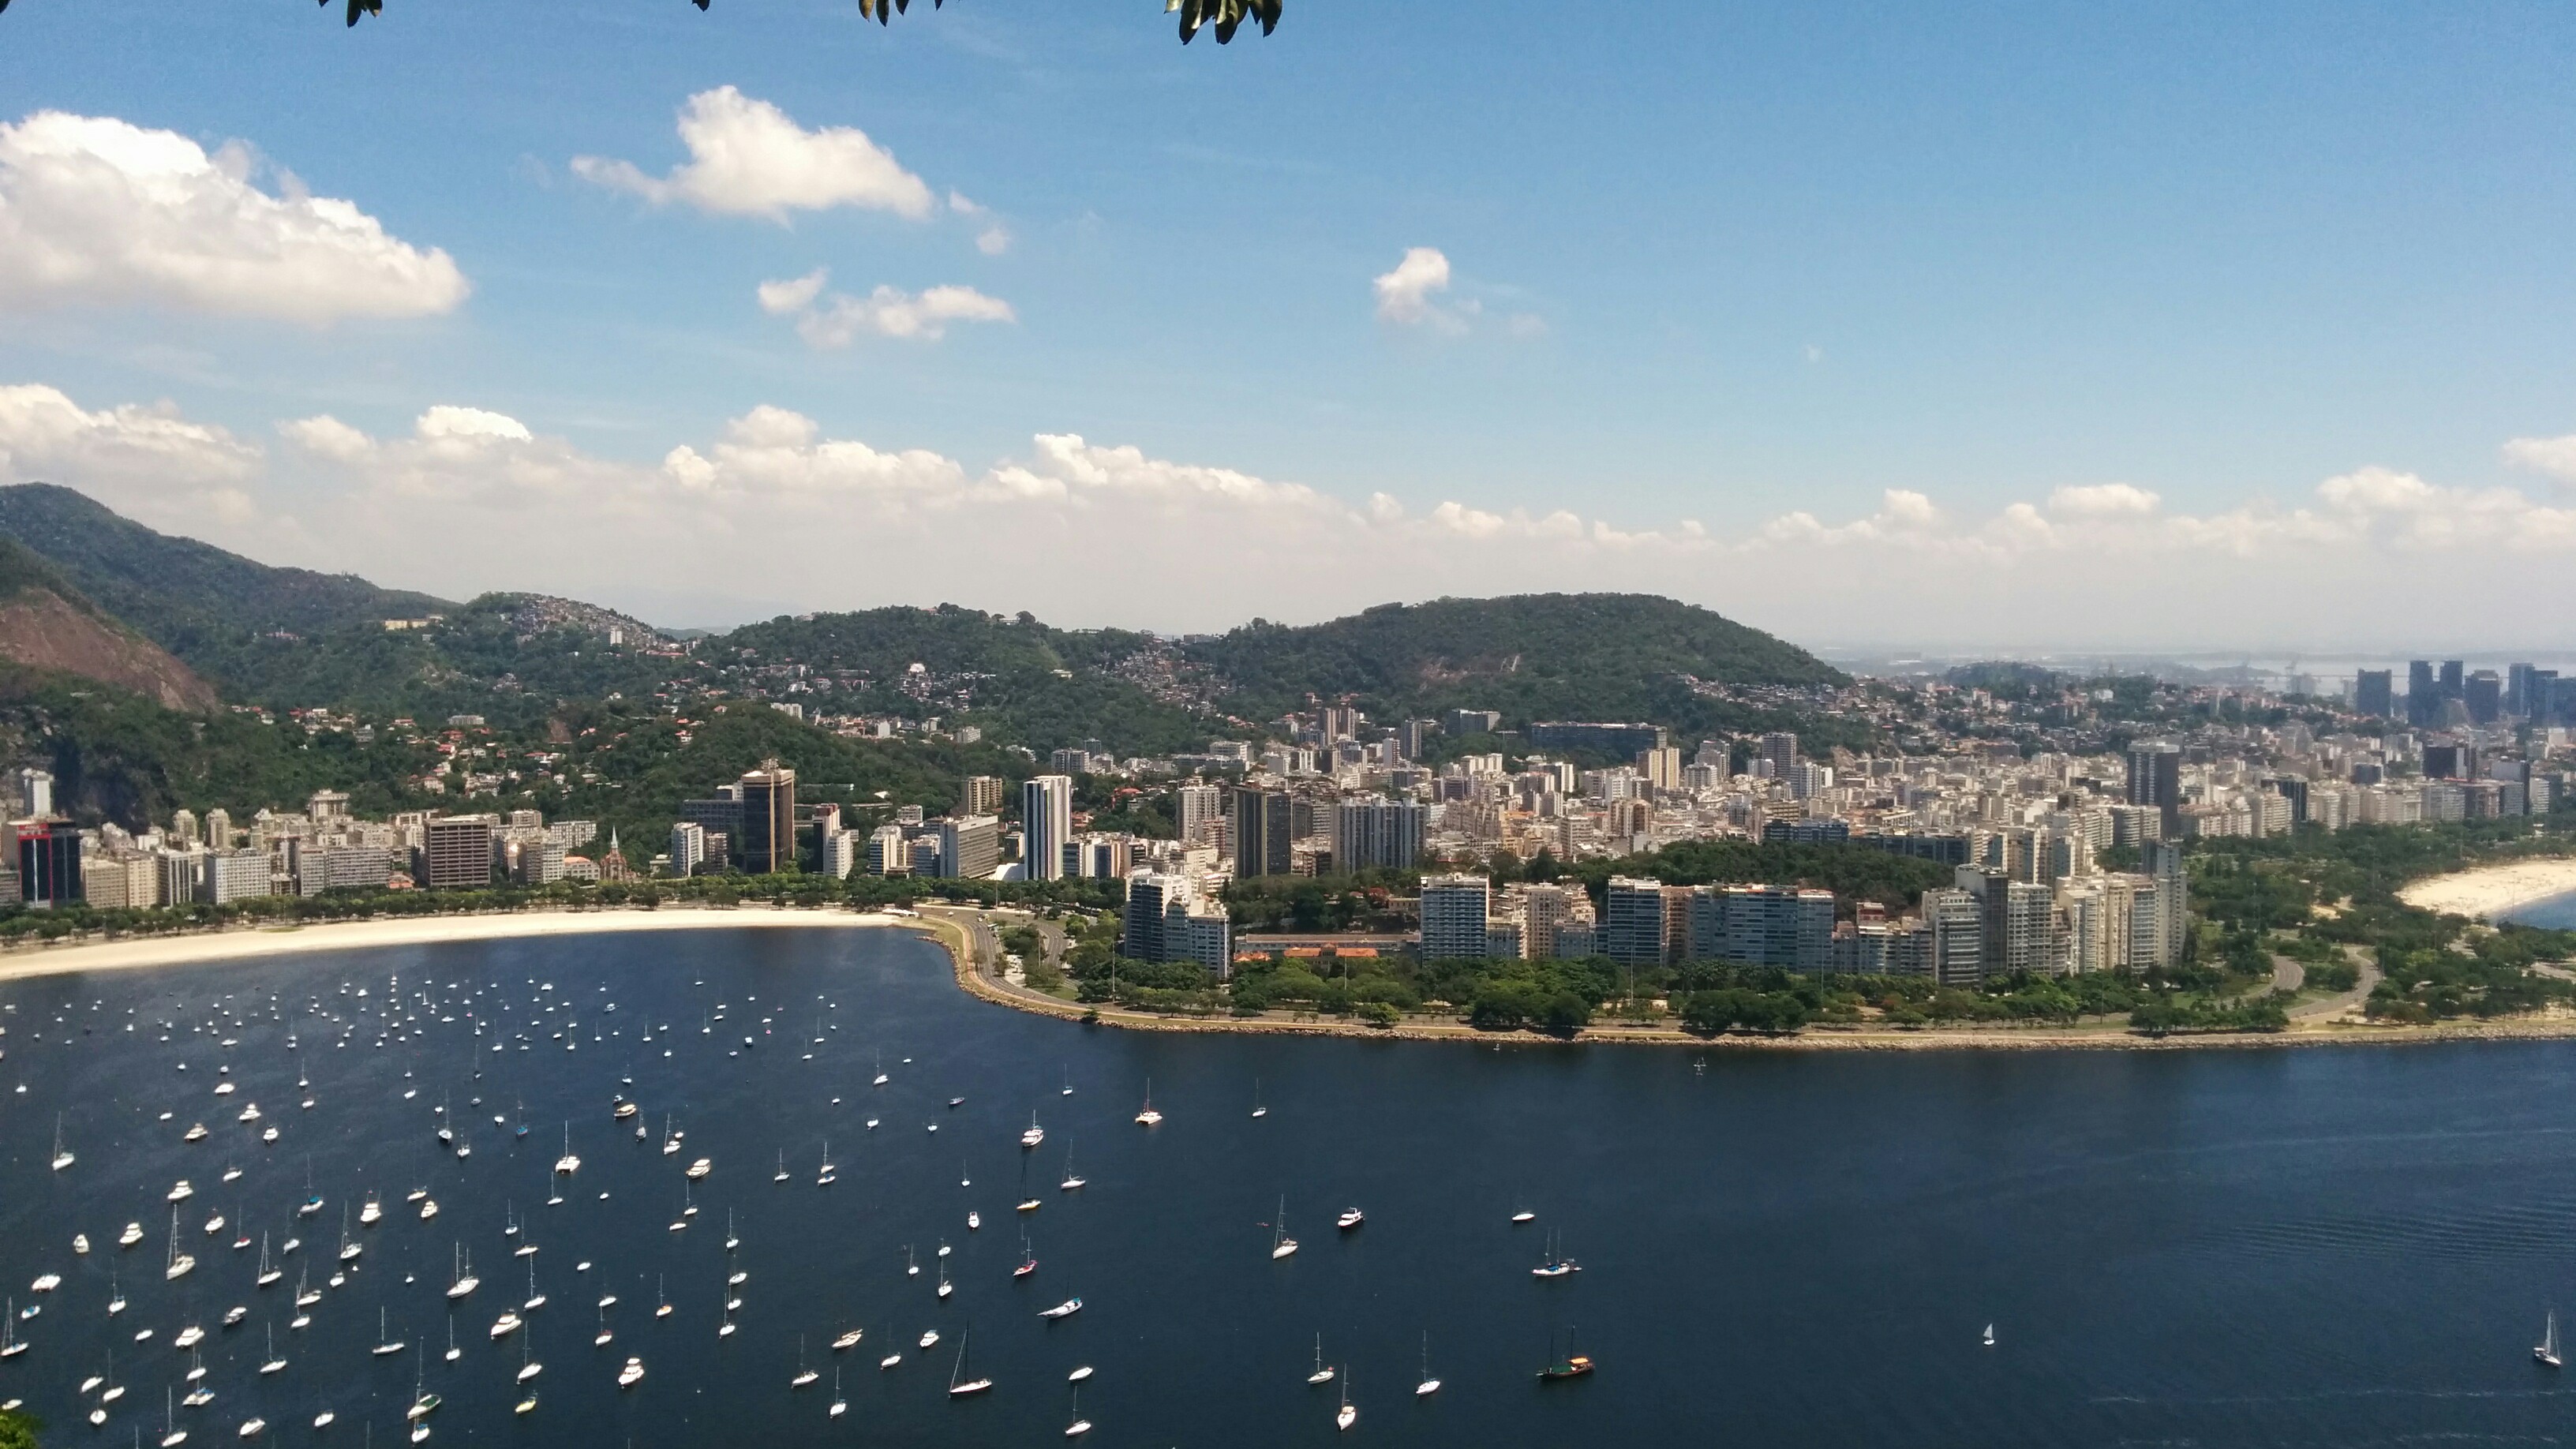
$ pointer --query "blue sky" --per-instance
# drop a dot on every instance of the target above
(1712, 270)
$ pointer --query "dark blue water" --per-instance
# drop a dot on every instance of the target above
(2558, 913)
(2278, 1247)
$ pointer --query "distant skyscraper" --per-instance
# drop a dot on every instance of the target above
(2155, 778)
(35, 794)
(2372, 695)
(970, 847)
(1046, 814)
(688, 847)
(1781, 749)
(2423, 695)
(1261, 832)
(766, 844)
(2485, 696)
(1197, 807)
(981, 795)
(1372, 832)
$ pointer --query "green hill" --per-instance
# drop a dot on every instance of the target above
(1530, 656)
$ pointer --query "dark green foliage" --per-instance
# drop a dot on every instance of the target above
(18, 1431)
(1617, 657)
(116, 757)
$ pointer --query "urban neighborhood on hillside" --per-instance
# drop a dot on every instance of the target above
(2062, 829)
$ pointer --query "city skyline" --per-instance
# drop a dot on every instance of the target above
(1789, 322)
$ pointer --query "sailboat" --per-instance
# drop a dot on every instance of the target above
(269, 1273)
(62, 1157)
(1028, 1259)
(944, 1286)
(1555, 1265)
(1071, 1183)
(465, 1282)
(825, 1178)
(528, 1366)
(805, 1376)
(1322, 1373)
(1281, 1245)
(567, 1164)
(661, 1299)
(604, 1337)
(10, 1347)
(423, 1402)
(385, 1345)
(1080, 1425)
(1990, 1336)
(1429, 1385)
(1258, 1110)
(782, 1166)
(881, 1074)
(1068, 1082)
(1035, 1135)
(1346, 1416)
(179, 1264)
(840, 1405)
(272, 1363)
(453, 1352)
(1148, 1117)
(170, 1420)
(1572, 1366)
(536, 1300)
(312, 1200)
(960, 1386)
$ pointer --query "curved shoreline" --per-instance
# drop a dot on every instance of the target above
(2492, 890)
(242, 943)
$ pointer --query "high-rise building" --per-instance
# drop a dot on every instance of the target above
(1371, 832)
(1781, 748)
(1150, 897)
(1954, 922)
(1763, 925)
(2372, 696)
(1546, 911)
(888, 854)
(2423, 693)
(1197, 807)
(1636, 922)
(719, 817)
(2485, 696)
(183, 832)
(1046, 816)
(766, 844)
(2517, 690)
(2155, 778)
(1662, 768)
(35, 794)
(841, 852)
(1262, 832)
(1462, 722)
(1456, 909)
(981, 795)
(970, 847)
(49, 862)
(2162, 860)
(688, 848)
(456, 852)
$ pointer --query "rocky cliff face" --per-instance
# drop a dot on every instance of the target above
(42, 630)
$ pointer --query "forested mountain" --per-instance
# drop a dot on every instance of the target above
(1530, 656)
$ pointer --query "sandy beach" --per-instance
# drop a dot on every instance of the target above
(246, 942)
(2489, 890)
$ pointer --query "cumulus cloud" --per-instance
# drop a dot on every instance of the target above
(469, 498)
(2555, 457)
(98, 210)
(840, 319)
(749, 158)
(1404, 294)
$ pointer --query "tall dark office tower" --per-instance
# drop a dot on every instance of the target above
(2454, 677)
(767, 844)
(2422, 695)
(2517, 690)
(2155, 778)
(49, 863)
(1261, 832)
(2485, 694)
(2372, 696)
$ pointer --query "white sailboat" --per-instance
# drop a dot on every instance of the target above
(179, 1264)
(805, 1376)
(840, 1405)
(1080, 1425)
(2546, 1351)
(1281, 1245)
(385, 1345)
(959, 1385)
(1035, 1135)
(62, 1156)
(1071, 1183)
(1429, 1385)
(1148, 1117)
(1323, 1373)
(1347, 1416)
(567, 1164)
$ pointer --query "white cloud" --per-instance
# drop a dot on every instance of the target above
(749, 158)
(1404, 294)
(2102, 500)
(147, 461)
(448, 421)
(2555, 457)
(992, 241)
(780, 299)
(470, 498)
(97, 210)
(840, 319)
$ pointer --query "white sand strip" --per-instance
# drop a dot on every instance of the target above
(2492, 890)
(251, 941)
